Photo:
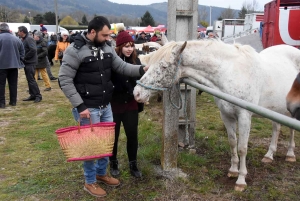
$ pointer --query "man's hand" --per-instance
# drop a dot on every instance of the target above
(85, 114)
(145, 68)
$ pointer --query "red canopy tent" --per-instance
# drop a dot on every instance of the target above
(201, 29)
(148, 29)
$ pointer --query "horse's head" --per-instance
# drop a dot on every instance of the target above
(293, 99)
(163, 66)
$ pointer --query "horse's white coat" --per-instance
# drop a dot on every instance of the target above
(260, 78)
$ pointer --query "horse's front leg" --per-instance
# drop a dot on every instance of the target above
(290, 156)
(268, 158)
(230, 124)
(244, 124)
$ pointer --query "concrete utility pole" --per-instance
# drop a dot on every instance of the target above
(182, 26)
(56, 18)
(209, 15)
(30, 17)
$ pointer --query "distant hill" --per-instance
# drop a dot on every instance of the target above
(102, 7)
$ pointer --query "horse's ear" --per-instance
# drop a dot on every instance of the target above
(176, 51)
(164, 39)
(182, 47)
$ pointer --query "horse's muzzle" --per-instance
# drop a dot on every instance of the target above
(140, 95)
(296, 113)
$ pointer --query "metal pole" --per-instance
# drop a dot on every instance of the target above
(282, 119)
(209, 15)
(30, 17)
(56, 19)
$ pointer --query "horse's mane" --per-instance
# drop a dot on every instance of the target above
(234, 50)
(162, 53)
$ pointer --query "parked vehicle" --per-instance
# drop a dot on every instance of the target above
(252, 21)
(281, 23)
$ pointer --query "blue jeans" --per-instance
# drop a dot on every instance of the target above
(91, 169)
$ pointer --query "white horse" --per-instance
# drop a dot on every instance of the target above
(150, 44)
(260, 78)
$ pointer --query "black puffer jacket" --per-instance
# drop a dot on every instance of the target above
(30, 50)
(42, 53)
(124, 85)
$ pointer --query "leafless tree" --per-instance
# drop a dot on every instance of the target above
(202, 14)
(251, 6)
(8, 15)
(77, 15)
(228, 13)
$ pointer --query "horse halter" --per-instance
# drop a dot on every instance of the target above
(163, 88)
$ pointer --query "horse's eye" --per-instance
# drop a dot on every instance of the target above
(163, 64)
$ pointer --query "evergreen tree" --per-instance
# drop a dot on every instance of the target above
(26, 19)
(243, 12)
(49, 18)
(228, 13)
(84, 20)
(38, 19)
(147, 19)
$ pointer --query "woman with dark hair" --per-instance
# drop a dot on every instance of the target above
(61, 46)
(125, 108)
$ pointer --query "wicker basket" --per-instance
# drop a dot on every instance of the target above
(82, 143)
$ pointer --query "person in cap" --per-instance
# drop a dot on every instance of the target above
(61, 46)
(112, 40)
(11, 55)
(124, 107)
(85, 79)
(43, 29)
(42, 53)
(142, 38)
(30, 61)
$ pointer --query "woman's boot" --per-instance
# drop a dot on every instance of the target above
(114, 170)
(134, 171)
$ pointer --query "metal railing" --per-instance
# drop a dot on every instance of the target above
(282, 119)
(240, 34)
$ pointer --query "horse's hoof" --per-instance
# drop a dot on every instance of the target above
(266, 160)
(240, 187)
(290, 158)
(232, 174)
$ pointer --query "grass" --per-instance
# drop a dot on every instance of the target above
(33, 167)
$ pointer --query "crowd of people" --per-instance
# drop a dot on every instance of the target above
(28, 50)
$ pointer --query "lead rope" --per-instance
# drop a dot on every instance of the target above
(169, 89)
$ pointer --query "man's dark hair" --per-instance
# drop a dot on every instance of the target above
(23, 29)
(98, 23)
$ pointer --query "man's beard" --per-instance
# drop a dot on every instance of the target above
(98, 43)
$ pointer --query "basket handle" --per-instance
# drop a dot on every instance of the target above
(91, 125)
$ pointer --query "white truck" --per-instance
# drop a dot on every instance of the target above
(252, 21)
(232, 26)
(50, 28)
(14, 26)
(228, 27)
(217, 27)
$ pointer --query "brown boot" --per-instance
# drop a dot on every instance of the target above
(94, 189)
(110, 181)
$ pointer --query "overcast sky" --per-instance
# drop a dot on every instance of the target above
(236, 4)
